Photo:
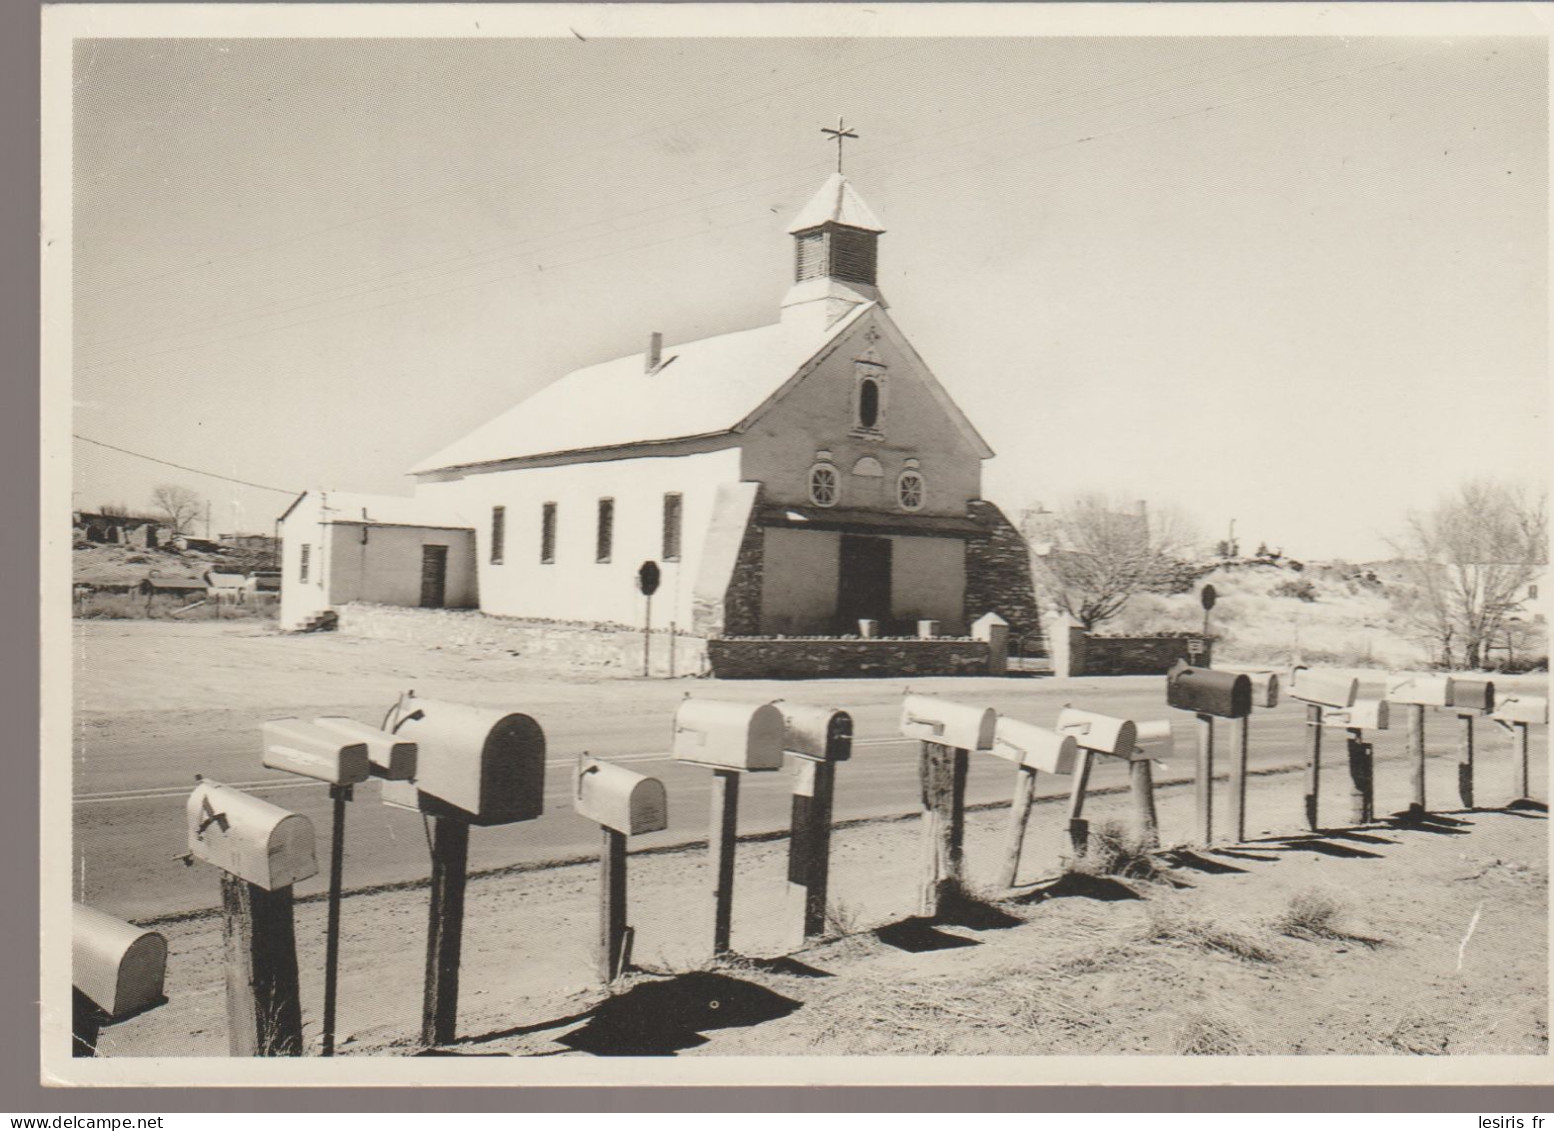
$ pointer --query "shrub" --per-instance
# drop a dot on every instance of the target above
(1302, 589)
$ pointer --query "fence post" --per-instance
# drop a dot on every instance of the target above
(942, 773)
(1521, 784)
(1465, 761)
(612, 903)
(1239, 749)
(1141, 783)
(1416, 756)
(1078, 827)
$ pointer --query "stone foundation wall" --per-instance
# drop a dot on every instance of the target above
(562, 644)
(762, 657)
(998, 576)
(1134, 655)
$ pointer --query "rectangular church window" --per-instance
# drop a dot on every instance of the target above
(606, 533)
(307, 552)
(548, 533)
(672, 527)
(498, 533)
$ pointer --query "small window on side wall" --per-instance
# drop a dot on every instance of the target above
(604, 540)
(548, 533)
(302, 569)
(498, 533)
(911, 490)
(825, 486)
(671, 527)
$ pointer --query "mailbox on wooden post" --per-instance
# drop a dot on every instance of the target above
(1516, 713)
(817, 738)
(948, 731)
(117, 970)
(1265, 696)
(1414, 694)
(1319, 691)
(731, 739)
(1032, 749)
(473, 766)
(1364, 715)
(1209, 695)
(1095, 734)
(1154, 744)
(1469, 699)
(261, 850)
(623, 803)
(389, 756)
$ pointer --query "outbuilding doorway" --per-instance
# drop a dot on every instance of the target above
(863, 582)
(434, 576)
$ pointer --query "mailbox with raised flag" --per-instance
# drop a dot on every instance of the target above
(1421, 691)
(747, 737)
(315, 752)
(118, 966)
(816, 734)
(931, 719)
(1102, 734)
(1034, 747)
(620, 799)
(475, 764)
(249, 838)
(1518, 708)
(388, 755)
(1204, 691)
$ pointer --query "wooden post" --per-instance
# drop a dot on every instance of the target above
(1078, 827)
(1141, 783)
(1521, 783)
(339, 794)
(1362, 803)
(809, 850)
(1313, 764)
(1239, 750)
(1416, 757)
(942, 773)
(720, 844)
(1019, 818)
(1205, 783)
(85, 1024)
(445, 930)
(647, 638)
(1465, 761)
(612, 904)
(264, 1007)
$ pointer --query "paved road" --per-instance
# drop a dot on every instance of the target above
(134, 771)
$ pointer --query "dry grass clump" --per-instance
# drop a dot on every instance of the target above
(1113, 849)
(1314, 914)
(1213, 1033)
(1174, 927)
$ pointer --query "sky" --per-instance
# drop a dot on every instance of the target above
(1298, 283)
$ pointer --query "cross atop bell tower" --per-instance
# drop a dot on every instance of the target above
(841, 133)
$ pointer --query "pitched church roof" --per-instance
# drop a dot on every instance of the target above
(703, 388)
(836, 203)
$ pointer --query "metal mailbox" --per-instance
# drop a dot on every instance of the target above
(1265, 688)
(314, 752)
(1473, 695)
(1205, 691)
(1424, 691)
(1522, 709)
(1100, 733)
(1325, 689)
(620, 799)
(388, 756)
(931, 719)
(729, 736)
(1154, 740)
(1034, 747)
(117, 965)
(1366, 714)
(815, 733)
(252, 839)
(479, 765)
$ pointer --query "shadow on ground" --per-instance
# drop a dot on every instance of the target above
(662, 1018)
(921, 933)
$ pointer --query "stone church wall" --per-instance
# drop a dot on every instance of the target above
(998, 575)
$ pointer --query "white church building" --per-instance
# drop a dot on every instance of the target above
(794, 479)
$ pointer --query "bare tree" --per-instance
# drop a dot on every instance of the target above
(1470, 560)
(178, 505)
(1100, 554)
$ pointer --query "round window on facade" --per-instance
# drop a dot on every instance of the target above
(824, 485)
(910, 490)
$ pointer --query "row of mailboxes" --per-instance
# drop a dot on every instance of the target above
(248, 837)
(118, 966)
(620, 799)
(930, 719)
(475, 764)
(1205, 691)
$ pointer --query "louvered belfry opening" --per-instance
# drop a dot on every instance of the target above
(836, 251)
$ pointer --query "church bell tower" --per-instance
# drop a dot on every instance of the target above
(835, 251)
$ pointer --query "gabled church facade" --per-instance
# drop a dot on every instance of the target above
(790, 480)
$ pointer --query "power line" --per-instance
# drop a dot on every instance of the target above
(181, 467)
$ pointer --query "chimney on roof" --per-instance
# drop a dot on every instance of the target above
(655, 352)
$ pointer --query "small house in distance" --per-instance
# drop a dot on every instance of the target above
(792, 480)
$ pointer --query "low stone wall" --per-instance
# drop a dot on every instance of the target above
(768, 657)
(560, 643)
(1134, 655)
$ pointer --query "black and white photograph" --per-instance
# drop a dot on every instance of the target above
(795, 544)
